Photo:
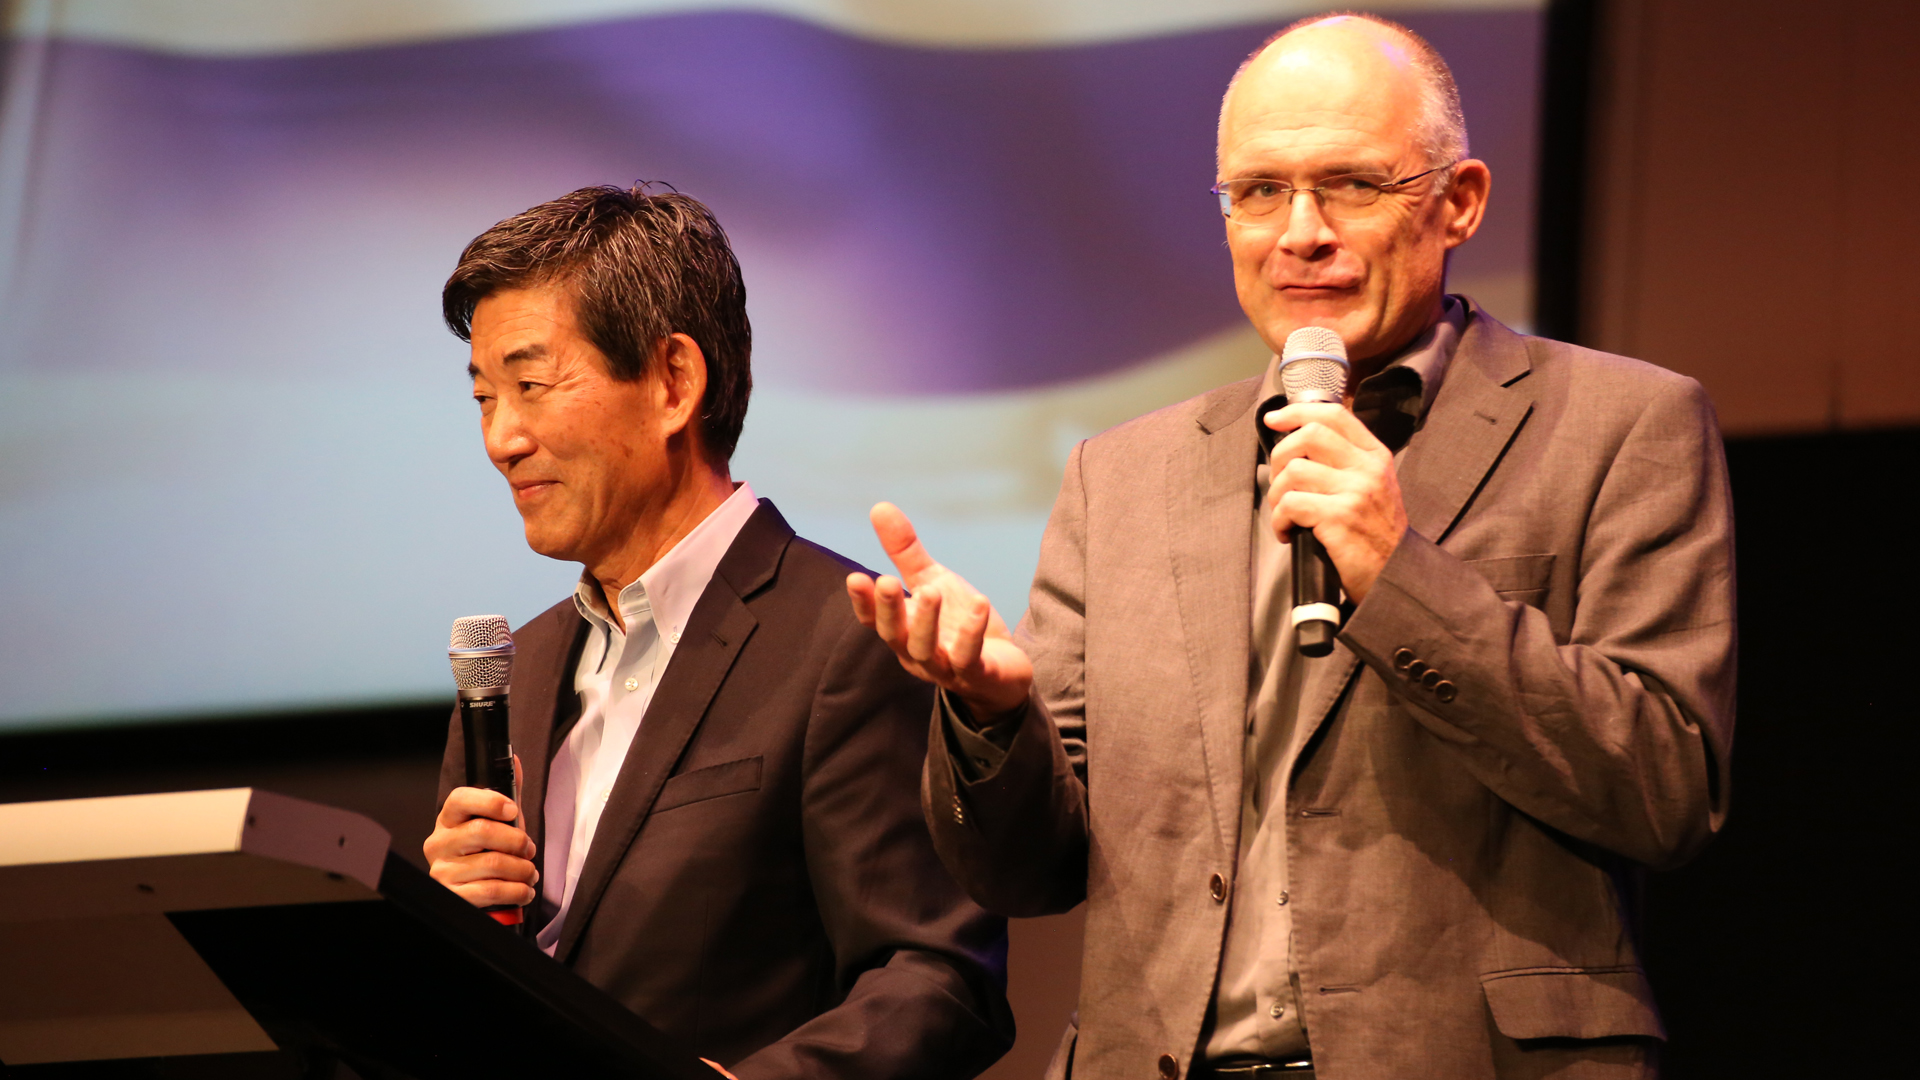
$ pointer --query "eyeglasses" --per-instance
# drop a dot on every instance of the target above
(1259, 201)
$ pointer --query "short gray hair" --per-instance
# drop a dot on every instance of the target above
(1442, 137)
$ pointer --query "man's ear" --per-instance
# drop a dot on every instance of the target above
(1466, 200)
(682, 381)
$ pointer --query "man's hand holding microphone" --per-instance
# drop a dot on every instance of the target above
(478, 847)
(476, 852)
(1331, 475)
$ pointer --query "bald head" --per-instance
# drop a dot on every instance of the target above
(1353, 52)
(1361, 115)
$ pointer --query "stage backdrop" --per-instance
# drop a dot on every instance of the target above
(239, 467)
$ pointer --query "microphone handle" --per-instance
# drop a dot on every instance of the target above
(483, 725)
(1316, 595)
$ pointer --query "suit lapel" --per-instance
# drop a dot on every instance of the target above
(1470, 425)
(545, 705)
(566, 709)
(715, 633)
(1321, 685)
(1210, 501)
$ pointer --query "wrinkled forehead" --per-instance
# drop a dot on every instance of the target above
(1333, 89)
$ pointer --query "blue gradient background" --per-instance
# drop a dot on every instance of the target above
(238, 467)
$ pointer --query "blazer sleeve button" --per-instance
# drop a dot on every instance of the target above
(1169, 1068)
(1402, 658)
(1216, 888)
(1416, 669)
(1446, 692)
(1431, 679)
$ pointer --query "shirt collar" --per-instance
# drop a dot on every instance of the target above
(1394, 401)
(667, 592)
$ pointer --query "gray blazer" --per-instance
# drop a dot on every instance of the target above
(1463, 863)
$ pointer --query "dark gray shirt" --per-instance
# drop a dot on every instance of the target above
(1256, 1006)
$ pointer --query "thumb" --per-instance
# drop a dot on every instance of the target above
(901, 543)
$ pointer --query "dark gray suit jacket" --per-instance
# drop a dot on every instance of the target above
(761, 885)
(1462, 846)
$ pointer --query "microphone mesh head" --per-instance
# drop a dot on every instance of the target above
(481, 632)
(1313, 365)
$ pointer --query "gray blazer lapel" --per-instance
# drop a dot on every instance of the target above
(1209, 521)
(1472, 422)
(1470, 425)
(715, 633)
(1321, 685)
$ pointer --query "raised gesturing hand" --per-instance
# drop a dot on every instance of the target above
(945, 632)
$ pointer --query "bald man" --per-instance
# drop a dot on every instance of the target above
(1416, 856)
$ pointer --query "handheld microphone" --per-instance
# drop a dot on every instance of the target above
(1313, 367)
(481, 650)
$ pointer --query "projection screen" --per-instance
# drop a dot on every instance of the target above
(241, 469)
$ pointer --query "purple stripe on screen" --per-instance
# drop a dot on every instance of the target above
(1003, 218)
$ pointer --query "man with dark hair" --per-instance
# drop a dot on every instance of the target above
(719, 823)
(1416, 856)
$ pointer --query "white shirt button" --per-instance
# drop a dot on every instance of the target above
(1277, 1010)
(633, 683)
(674, 637)
(607, 794)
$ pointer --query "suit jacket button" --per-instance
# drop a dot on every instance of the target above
(1416, 669)
(1169, 1068)
(1401, 658)
(1445, 691)
(1431, 679)
(1216, 888)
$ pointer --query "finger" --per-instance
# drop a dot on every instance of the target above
(1289, 417)
(901, 543)
(923, 628)
(494, 893)
(1338, 418)
(488, 879)
(1300, 510)
(889, 613)
(485, 866)
(475, 836)
(1280, 522)
(1305, 474)
(968, 633)
(860, 591)
(1318, 442)
(1291, 512)
(482, 835)
(466, 803)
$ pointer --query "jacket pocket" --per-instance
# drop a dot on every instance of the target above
(1517, 577)
(1572, 1003)
(729, 778)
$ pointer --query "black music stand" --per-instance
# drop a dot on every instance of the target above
(239, 934)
